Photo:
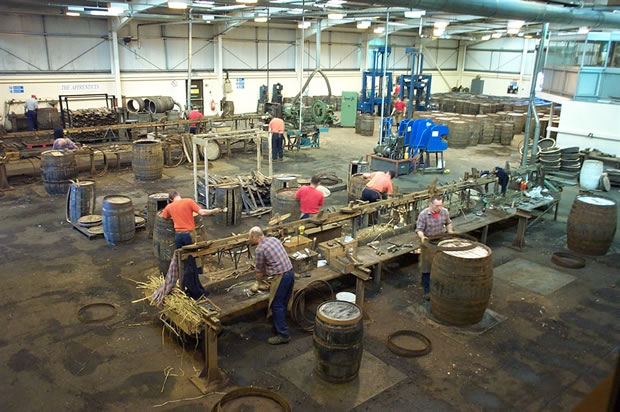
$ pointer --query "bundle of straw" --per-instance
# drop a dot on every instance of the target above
(177, 305)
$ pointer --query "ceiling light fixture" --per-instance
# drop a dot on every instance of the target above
(438, 32)
(75, 8)
(260, 19)
(584, 30)
(496, 35)
(379, 29)
(72, 13)
(513, 31)
(363, 25)
(414, 14)
(515, 24)
(335, 16)
(208, 17)
(485, 38)
(441, 24)
(177, 5)
(246, 1)
(303, 25)
(295, 11)
(230, 7)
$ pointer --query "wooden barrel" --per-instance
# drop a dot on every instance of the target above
(279, 182)
(488, 130)
(458, 137)
(81, 199)
(58, 167)
(367, 125)
(163, 241)
(229, 197)
(358, 123)
(461, 283)
(119, 223)
(506, 133)
(591, 224)
(285, 202)
(355, 186)
(459, 106)
(476, 131)
(148, 159)
(338, 341)
(48, 118)
(519, 121)
(154, 203)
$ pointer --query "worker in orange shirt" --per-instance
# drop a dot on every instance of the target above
(276, 127)
(194, 115)
(379, 186)
(182, 213)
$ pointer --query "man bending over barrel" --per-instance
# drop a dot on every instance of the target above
(432, 221)
(182, 213)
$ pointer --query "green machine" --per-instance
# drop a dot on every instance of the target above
(348, 110)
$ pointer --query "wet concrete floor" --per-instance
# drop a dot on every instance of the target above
(549, 353)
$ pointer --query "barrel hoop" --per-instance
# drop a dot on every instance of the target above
(568, 260)
(252, 391)
(409, 353)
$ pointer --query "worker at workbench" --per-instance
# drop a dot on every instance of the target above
(61, 142)
(30, 107)
(379, 186)
(182, 213)
(194, 115)
(432, 221)
(272, 260)
(276, 127)
(310, 198)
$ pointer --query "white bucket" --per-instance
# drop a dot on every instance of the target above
(590, 175)
(346, 296)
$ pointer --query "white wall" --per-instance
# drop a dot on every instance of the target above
(583, 118)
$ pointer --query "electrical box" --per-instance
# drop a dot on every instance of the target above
(348, 110)
(477, 86)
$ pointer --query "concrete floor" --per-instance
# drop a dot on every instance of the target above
(549, 352)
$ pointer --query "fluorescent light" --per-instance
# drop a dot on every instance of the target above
(231, 7)
(208, 17)
(513, 30)
(379, 29)
(414, 14)
(487, 37)
(441, 24)
(438, 32)
(115, 10)
(246, 1)
(204, 3)
(496, 35)
(303, 25)
(584, 30)
(363, 25)
(72, 13)
(515, 24)
(75, 8)
(520, 34)
(178, 5)
(335, 16)
(260, 19)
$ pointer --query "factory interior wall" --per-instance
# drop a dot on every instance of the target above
(590, 125)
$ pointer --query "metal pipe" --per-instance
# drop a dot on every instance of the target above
(531, 107)
(383, 85)
(536, 137)
(189, 62)
(512, 9)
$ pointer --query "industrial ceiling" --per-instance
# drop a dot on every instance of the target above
(417, 17)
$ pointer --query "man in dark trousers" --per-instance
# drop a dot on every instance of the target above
(182, 213)
(432, 221)
(276, 127)
(310, 198)
(379, 186)
(272, 260)
(30, 107)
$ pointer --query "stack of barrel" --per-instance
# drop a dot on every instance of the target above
(462, 281)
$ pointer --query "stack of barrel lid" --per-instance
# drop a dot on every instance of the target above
(549, 155)
(570, 162)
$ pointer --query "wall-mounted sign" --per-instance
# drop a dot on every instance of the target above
(80, 87)
(16, 89)
(240, 83)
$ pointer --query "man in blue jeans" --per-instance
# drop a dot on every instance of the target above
(182, 213)
(432, 221)
(272, 260)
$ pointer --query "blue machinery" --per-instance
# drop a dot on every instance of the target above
(422, 136)
(414, 85)
(372, 84)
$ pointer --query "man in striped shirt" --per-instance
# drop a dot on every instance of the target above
(272, 260)
(432, 221)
